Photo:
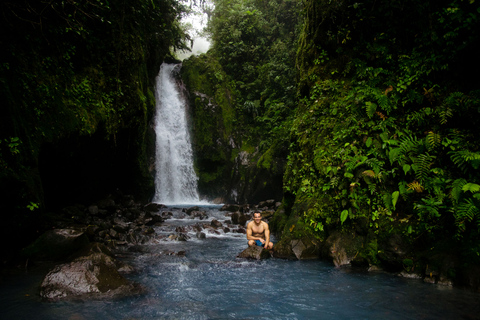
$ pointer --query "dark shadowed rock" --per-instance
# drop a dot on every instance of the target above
(56, 244)
(153, 207)
(255, 252)
(297, 249)
(216, 224)
(230, 207)
(342, 248)
(190, 210)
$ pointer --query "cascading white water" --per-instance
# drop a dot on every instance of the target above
(176, 180)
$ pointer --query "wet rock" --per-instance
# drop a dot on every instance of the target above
(408, 275)
(255, 252)
(200, 235)
(56, 244)
(93, 209)
(107, 204)
(230, 207)
(269, 204)
(297, 249)
(155, 220)
(153, 207)
(342, 248)
(190, 210)
(94, 275)
(242, 219)
(235, 217)
(216, 224)
(392, 252)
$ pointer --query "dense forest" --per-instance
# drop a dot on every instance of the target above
(361, 117)
(77, 82)
(369, 110)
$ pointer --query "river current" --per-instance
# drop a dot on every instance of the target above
(203, 279)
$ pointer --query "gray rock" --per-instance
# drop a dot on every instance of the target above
(94, 275)
(255, 252)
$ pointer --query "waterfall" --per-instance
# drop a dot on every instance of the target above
(175, 180)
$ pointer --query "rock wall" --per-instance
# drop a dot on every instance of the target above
(230, 166)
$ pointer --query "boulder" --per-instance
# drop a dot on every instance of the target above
(255, 252)
(216, 224)
(392, 251)
(153, 207)
(93, 275)
(230, 207)
(342, 248)
(190, 210)
(56, 244)
(297, 249)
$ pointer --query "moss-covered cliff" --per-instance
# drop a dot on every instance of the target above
(227, 158)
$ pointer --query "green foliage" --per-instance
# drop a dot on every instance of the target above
(76, 68)
(386, 129)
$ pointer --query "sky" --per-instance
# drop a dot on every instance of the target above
(198, 21)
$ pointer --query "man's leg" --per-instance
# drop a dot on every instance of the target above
(251, 243)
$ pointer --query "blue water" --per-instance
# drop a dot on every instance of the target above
(209, 282)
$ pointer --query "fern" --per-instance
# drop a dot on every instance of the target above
(433, 140)
(457, 187)
(416, 186)
(422, 166)
(466, 212)
(370, 108)
(463, 158)
(408, 145)
(445, 115)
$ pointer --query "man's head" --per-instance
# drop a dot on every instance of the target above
(257, 217)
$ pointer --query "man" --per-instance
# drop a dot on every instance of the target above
(258, 232)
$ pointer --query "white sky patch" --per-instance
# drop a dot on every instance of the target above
(196, 22)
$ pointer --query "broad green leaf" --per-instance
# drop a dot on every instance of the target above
(406, 168)
(348, 175)
(343, 216)
(369, 142)
(395, 198)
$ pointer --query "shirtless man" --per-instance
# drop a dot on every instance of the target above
(258, 232)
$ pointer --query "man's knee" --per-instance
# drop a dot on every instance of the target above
(251, 243)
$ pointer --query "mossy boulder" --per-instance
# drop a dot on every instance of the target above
(96, 274)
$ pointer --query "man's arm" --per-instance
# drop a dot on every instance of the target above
(267, 235)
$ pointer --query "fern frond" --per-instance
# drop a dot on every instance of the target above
(457, 187)
(445, 115)
(467, 211)
(422, 166)
(464, 157)
(416, 186)
(370, 108)
(433, 140)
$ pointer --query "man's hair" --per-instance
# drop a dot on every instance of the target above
(257, 213)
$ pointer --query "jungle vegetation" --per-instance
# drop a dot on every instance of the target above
(75, 74)
(369, 110)
(377, 105)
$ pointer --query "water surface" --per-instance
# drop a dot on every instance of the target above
(209, 282)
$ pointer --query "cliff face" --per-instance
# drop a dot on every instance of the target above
(229, 164)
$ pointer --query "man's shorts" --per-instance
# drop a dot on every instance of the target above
(259, 243)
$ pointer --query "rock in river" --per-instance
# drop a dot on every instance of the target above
(93, 275)
(255, 252)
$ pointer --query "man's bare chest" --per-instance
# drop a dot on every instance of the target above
(258, 229)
